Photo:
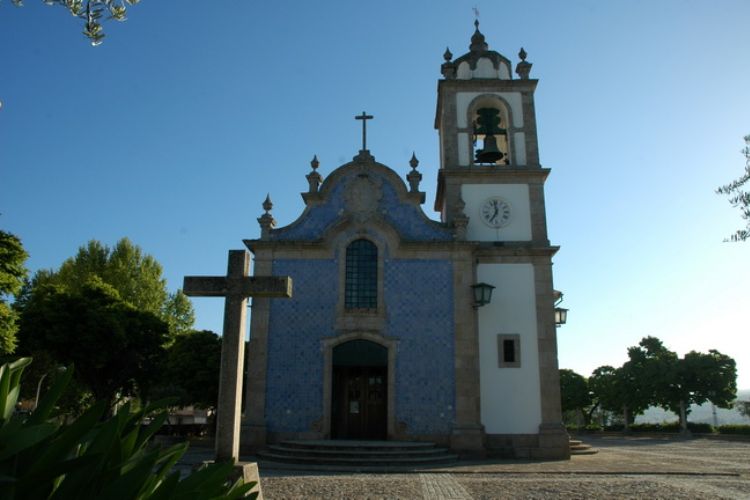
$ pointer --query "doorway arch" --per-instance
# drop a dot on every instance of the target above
(359, 387)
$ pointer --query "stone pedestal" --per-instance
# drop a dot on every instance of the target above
(248, 471)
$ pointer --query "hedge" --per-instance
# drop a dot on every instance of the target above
(734, 429)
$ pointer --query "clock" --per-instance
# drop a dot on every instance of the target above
(495, 212)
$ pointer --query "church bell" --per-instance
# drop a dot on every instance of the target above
(488, 124)
(489, 153)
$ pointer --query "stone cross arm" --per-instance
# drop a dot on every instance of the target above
(241, 286)
(235, 287)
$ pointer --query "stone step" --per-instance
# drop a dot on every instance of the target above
(359, 461)
(578, 447)
(590, 451)
(358, 445)
(370, 453)
(358, 453)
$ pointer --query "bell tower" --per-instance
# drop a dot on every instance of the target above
(489, 159)
(491, 191)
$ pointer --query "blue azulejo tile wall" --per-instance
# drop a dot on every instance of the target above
(418, 297)
(294, 387)
(419, 305)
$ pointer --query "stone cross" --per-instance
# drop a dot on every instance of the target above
(235, 287)
(364, 117)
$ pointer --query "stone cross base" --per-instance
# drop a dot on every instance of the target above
(248, 471)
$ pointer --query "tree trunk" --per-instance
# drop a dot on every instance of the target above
(683, 418)
(626, 419)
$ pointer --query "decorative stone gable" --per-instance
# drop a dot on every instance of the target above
(359, 192)
(362, 196)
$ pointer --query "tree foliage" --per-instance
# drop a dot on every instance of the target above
(136, 276)
(92, 13)
(116, 348)
(656, 376)
(95, 457)
(12, 275)
(574, 391)
(191, 372)
(604, 388)
(650, 372)
(739, 197)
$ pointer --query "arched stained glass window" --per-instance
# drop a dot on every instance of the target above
(361, 290)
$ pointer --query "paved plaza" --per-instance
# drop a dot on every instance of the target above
(649, 468)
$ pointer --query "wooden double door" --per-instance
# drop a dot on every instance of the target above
(359, 402)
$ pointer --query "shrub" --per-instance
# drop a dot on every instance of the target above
(94, 457)
(700, 428)
(614, 427)
(734, 429)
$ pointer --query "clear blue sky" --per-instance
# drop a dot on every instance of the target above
(173, 131)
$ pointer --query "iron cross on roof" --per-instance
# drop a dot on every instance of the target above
(364, 117)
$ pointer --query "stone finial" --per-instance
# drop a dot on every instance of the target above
(314, 178)
(266, 220)
(414, 177)
(477, 40)
(447, 55)
(267, 203)
(460, 220)
(414, 163)
(523, 68)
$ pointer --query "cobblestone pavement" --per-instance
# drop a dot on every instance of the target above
(623, 468)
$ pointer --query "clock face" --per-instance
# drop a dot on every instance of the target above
(495, 212)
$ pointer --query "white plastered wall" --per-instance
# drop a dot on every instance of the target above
(517, 195)
(484, 70)
(511, 399)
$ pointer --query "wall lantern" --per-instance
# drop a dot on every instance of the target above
(482, 294)
(561, 314)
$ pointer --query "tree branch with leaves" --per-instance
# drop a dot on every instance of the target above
(738, 197)
(92, 12)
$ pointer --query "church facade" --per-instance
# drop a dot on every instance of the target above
(384, 337)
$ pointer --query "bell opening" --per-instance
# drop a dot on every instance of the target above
(487, 128)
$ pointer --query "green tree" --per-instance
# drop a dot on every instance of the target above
(574, 393)
(702, 377)
(603, 386)
(136, 276)
(12, 275)
(674, 383)
(619, 390)
(191, 370)
(653, 370)
(116, 348)
(91, 12)
(739, 197)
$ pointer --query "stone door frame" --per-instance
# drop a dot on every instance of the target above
(328, 344)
